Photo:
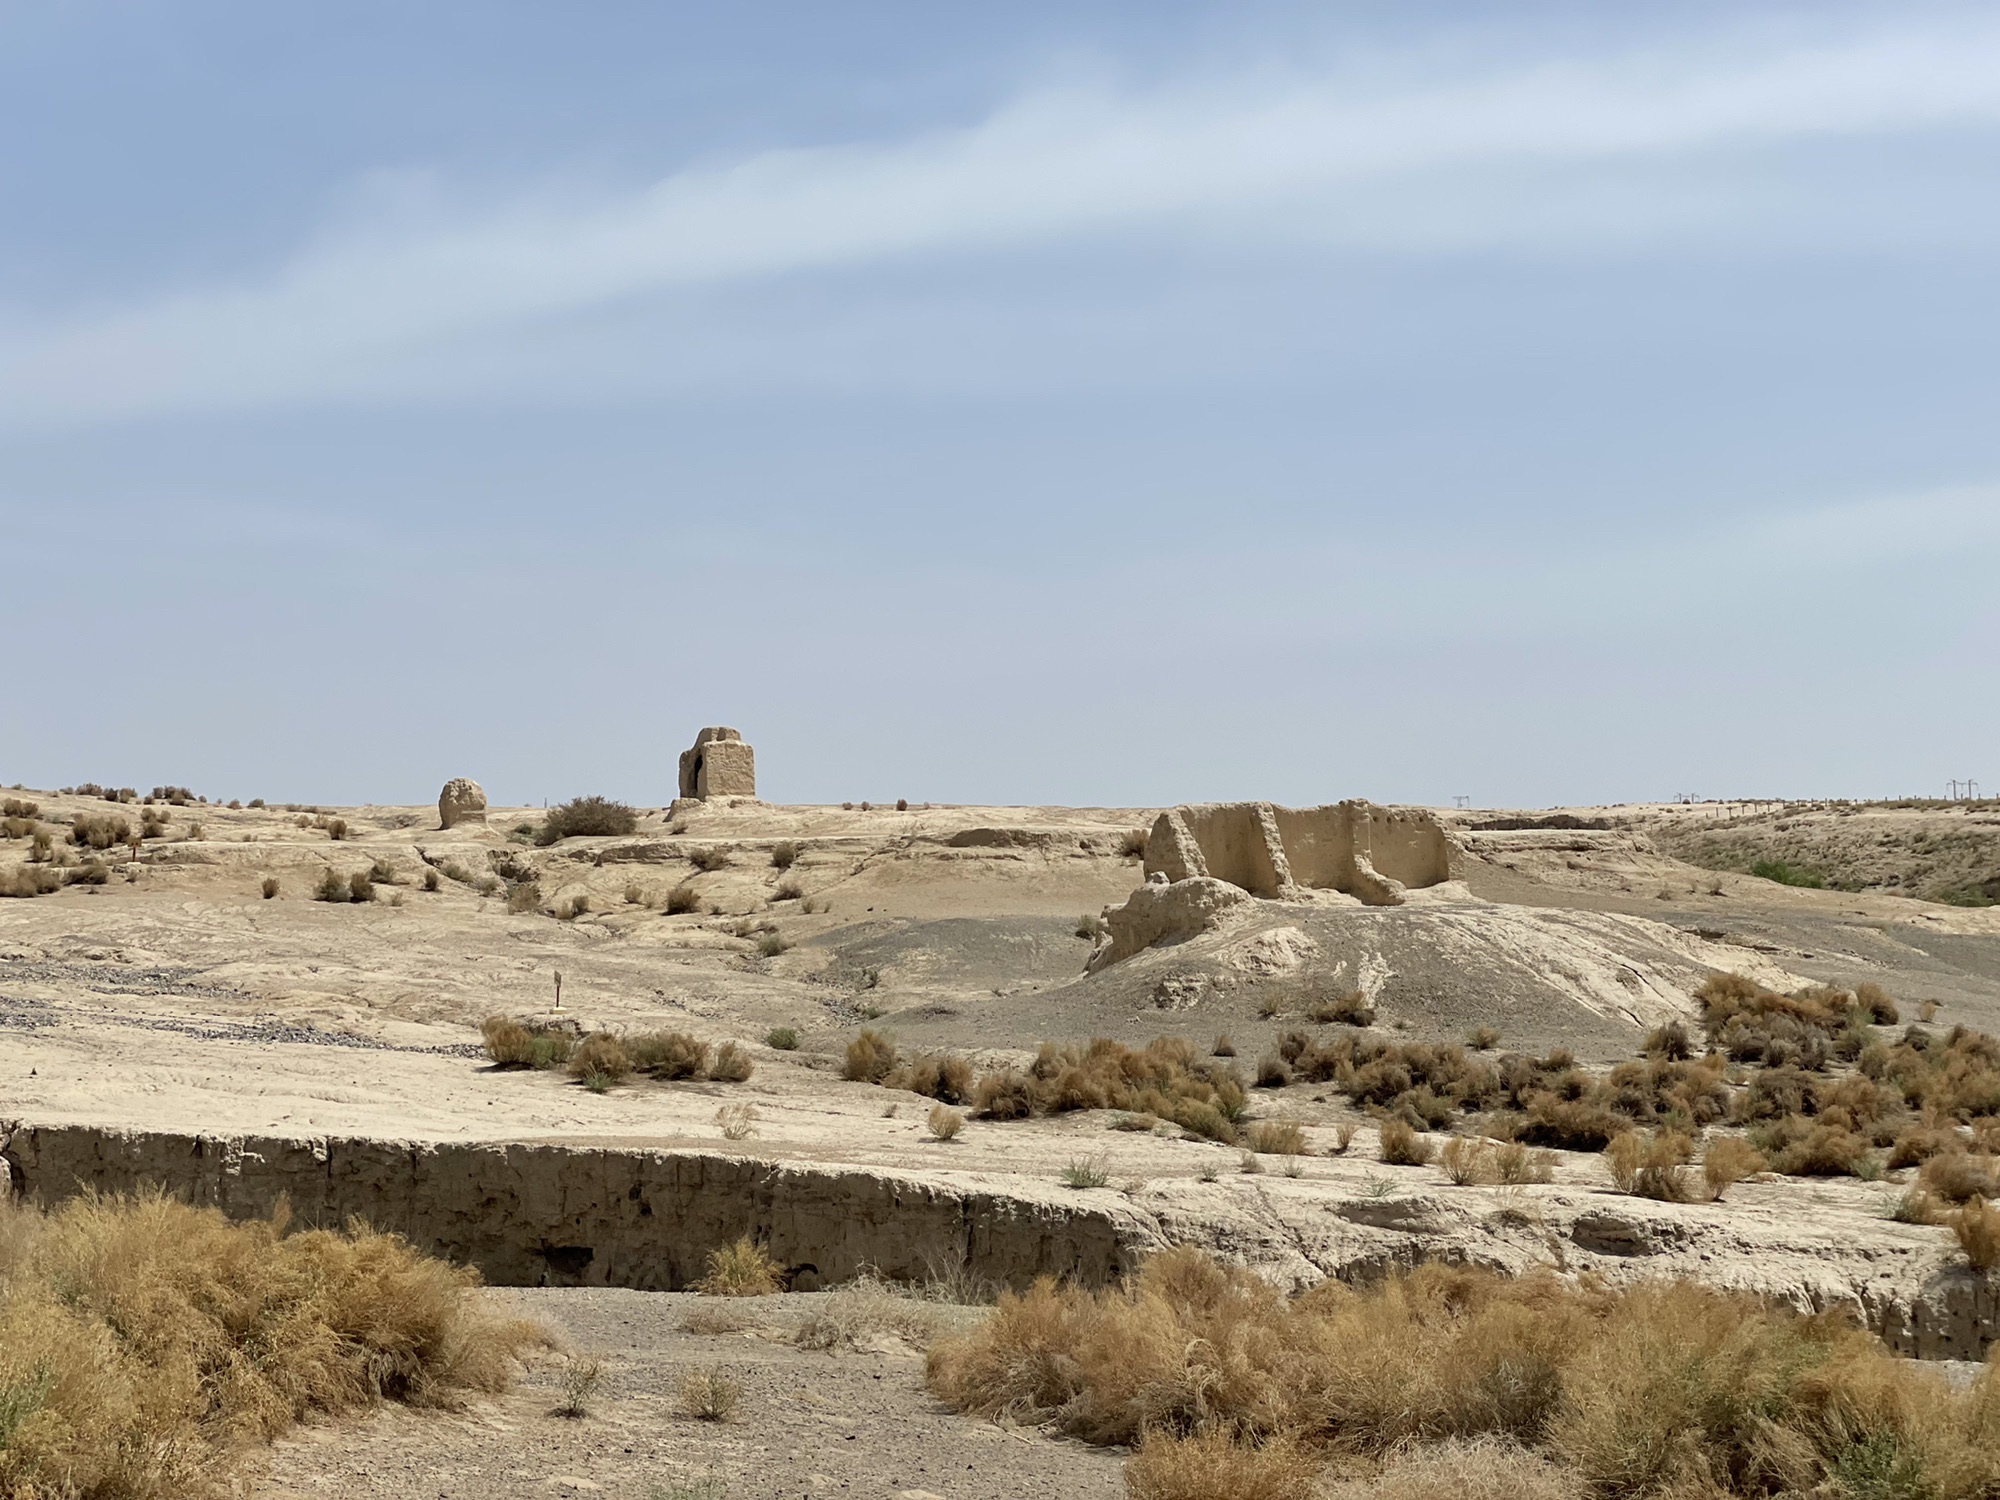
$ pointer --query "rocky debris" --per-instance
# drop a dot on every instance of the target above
(461, 801)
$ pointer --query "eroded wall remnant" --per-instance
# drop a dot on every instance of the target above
(719, 764)
(461, 801)
(1371, 853)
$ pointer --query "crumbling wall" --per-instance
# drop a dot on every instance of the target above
(545, 1215)
(718, 764)
(1369, 852)
(1163, 912)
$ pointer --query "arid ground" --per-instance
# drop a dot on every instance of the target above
(178, 999)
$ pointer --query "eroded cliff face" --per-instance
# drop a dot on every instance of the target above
(555, 1215)
(548, 1215)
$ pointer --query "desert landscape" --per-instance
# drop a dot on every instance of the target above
(872, 1066)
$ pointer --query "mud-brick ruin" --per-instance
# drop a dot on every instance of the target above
(1371, 853)
(719, 764)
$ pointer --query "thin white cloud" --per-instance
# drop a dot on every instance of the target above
(1285, 158)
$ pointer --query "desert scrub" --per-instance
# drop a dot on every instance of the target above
(681, 900)
(1401, 1146)
(771, 944)
(784, 855)
(525, 1044)
(708, 859)
(782, 1039)
(586, 817)
(944, 1122)
(1165, 1079)
(1622, 1392)
(144, 1343)
(742, 1269)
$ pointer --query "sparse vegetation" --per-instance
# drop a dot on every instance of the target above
(1277, 1138)
(789, 889)
(784, 855)
(586, 817)
(580, 1379)
(270, 887)
(709, 858)
(709, 1395)
(782, 1039)
(681, 900)
(1132, 844)
(143, 1342)
(1085, 1172)
(944, 1122)
(742, 1269)
(771, 944)
(524, 896)
(1403, 1146)
(1609, 1391)
(1344, 1007)
(1090, 926)
(526, 1044)
(737, 1122)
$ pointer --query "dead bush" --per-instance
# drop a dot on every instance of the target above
(1215, 1466)
(682, 900)
(523, 897)
(944, 1122)
(943, 1076)
(586, 817)
(1277, 1138)
(708, 1395)
(784, 855)
(1163, 1079)
(27, 881)
(708, 859)
(1976, 1226)
(1959, 1177)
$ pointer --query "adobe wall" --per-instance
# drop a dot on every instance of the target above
(1369, 852)
(546, 1215)
(718, 764)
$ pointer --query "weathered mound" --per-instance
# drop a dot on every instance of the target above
(1590, 980)
(1371, 853)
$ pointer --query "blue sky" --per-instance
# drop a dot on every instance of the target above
(1069, 403)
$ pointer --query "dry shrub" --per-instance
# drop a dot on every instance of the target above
(1481, 1468)
(1652, 1166)
(708, 858)
(144, 1342)
(1344, 1007)
(525, 896)
(17, 807)
(667, 1054)
(784, 855)
(1728, 1161)
(742, 1269)
(1483, 1038)
(681, 900)
(871, 1057)
(738, 1122)
(525, 1044)
(943, 1122)
(30, 880)
(865, 1309)
(732, 1064)
(1132, 844)
(586, 817)
(1466, 1162)
(943, 1076)
(1976, 1226)
(1213, 1466)
(708, 1395)
(93, 832)
(1164, 1079)
(1277, 1138)
(600, 1060)
(1625, 1392)
(789, 889)
(1801, 1147)
(1960, 1177)
(1402, 1146)
(1515, 1165)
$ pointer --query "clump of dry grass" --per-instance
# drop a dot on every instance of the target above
(143, 1343)
(741, 1269)
(1607, 1391)
(709, 1395)
(944, 1122)
(784, 855)
(27, 881)
(1728, 1161)
(526, 1044)
(1277, 1138)
(586, 817)
(738, 1122)
(1214, 1466)
(1976, 1226)
(708, 858)
(681, 900)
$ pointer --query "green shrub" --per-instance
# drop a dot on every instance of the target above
(782, 1039)
(1785, 873)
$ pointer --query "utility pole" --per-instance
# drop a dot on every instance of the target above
(1462, 801)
